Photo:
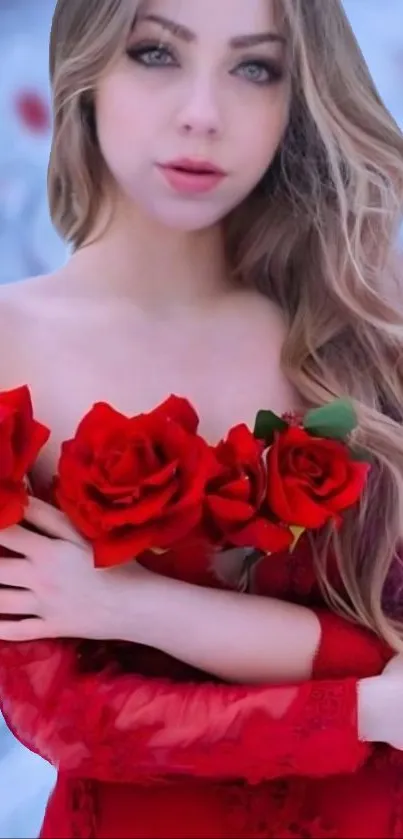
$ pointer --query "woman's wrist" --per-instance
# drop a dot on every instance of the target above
(373, 695)
(129, 604)
(153, 612)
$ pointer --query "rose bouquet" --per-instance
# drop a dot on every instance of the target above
(293, 473)
(151, 482)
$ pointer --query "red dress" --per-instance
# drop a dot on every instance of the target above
(167, 752)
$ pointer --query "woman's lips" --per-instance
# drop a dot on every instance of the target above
(191, 177)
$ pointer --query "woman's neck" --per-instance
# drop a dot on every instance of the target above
(154, 266)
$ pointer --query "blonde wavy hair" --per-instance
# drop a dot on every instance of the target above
(318, 236)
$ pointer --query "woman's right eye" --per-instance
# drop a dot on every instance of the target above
(152, 55)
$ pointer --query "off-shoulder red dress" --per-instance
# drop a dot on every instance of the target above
(166, 752)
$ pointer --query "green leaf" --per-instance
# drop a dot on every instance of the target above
(266, 424)
(362, 455)
(335, 421)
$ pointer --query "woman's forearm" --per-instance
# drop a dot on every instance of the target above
(238, 638)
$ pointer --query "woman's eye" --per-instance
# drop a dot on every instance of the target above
(152, 56)
(259, 72)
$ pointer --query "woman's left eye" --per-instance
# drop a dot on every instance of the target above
(259, 72)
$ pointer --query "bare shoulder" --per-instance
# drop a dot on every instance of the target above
(22, 307)
(33, 291)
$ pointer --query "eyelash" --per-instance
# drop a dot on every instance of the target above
(272, 70)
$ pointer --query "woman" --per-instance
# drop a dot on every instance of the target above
(231, 186)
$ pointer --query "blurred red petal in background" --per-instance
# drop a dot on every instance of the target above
(32, 109)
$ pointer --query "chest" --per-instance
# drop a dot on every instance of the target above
(226, 374)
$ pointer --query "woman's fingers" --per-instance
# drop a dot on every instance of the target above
(15, 572)
(17, 601)
(30, 629)
(22, 541)
(51, 521)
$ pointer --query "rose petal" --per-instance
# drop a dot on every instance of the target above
(262, 535)
(277, 498)
(247, 448)
(229, 511)
(159, 478)
(147, 509)
(352, 491)
(123, 545)
(304, 511)
(12, 506)
(37, 438)
(239, 488)
(177, 410)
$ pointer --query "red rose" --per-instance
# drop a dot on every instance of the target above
(235, 494)
(21, 439)
(311, 480)
(131, 484)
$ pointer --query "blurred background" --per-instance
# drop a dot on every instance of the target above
(29, 245)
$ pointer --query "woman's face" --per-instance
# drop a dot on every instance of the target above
(191, 116)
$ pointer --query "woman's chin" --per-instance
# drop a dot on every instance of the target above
(187, 217)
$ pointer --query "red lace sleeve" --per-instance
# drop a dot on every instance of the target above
(348, 650)
(123, 728)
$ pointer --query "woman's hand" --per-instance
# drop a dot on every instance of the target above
(55, 585)
(380, 704)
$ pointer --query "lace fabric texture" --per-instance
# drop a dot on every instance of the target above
(127, 727)
(262, 747)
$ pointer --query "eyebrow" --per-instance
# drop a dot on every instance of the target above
(237, 42)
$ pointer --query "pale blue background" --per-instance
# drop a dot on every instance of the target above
(28, 245)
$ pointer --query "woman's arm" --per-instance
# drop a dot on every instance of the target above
(246, 638)
(127, 728)
(235, 637)
(240, 638)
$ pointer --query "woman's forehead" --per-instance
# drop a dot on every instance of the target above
(228, 18)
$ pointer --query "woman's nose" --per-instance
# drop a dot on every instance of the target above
(200, 114)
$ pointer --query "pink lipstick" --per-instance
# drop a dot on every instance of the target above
(191, 177)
